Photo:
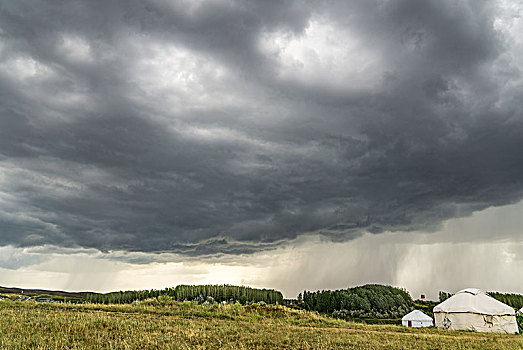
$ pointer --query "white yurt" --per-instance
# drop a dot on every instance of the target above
(417, 318)
(473, 309)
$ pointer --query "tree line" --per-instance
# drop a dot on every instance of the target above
(218, 293)
(444, 296)
(368, 301)
(222, 293)
(511, 299)
(126, 297)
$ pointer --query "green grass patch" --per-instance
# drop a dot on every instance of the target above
(167, 324)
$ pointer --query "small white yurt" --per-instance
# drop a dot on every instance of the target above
(473, 309)
(416, 319)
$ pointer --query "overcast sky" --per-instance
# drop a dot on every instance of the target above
(286, 144)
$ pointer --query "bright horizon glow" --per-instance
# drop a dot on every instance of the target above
(312, 263)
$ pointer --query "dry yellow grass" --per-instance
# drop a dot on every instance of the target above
(167, 324)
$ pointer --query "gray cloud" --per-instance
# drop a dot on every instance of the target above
(232, 127)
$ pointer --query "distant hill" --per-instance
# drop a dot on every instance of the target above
(218, 293)
(39, 292)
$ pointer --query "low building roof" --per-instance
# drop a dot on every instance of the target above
(416, 315)
(473, 300)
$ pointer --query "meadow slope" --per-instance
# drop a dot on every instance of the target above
(167, 324)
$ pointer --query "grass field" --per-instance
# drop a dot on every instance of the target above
(166, 324)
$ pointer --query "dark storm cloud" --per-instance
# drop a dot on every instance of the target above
(168, 126)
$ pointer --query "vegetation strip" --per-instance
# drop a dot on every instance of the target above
(164, 323)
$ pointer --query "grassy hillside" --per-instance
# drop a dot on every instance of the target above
(166, 323)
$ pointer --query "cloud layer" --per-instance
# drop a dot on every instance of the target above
(464, 253)
(203, 127)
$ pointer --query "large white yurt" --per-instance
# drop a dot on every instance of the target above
(473, 309)
(417, 318)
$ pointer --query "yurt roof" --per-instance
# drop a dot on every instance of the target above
(416, 315)
(475, 301)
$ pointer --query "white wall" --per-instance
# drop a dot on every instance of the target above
(477, 322)
(417, 324)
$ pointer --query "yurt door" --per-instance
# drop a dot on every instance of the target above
(410, 323)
